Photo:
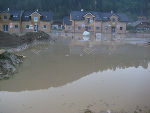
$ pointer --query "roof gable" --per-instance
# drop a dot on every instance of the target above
(14, 15)
(45, 15)
(114, 15)
(36, 13)
(88, 14)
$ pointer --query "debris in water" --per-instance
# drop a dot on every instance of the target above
(67, 55)
(85, 33)
(88, 111)
(108, 111)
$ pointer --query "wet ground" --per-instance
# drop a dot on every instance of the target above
(71, 75)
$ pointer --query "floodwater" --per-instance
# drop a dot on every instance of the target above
(70, 76)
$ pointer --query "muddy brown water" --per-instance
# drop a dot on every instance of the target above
(71, 76)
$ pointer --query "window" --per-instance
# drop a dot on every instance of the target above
(5, 17)
(89, 28)
(26, 16)
(27, 26)
(44, 26)
(15, 16)
(79, 28)
(113, 20)
(69, 28)
(86, 28)
(121, 28)
(16, 26)
(97, 28)
(106, 28)
(5, 28)
(88, 20)
(35, 19)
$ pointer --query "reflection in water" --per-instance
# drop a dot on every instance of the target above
(58, 65)
(70, 76)
(100, 37)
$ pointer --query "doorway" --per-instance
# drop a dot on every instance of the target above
(36, 28)
(5, 28)
(86, 28)
(113, 29)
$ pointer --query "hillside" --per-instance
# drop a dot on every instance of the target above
(62, 8)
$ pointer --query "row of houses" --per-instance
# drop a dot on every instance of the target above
(77, 22)
(96, 22)
(25, 21)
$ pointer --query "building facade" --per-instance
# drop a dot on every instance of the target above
(33, 21)
(10, 21)
(67, 24)
(25, 21)
(141, 26)
(97, 22)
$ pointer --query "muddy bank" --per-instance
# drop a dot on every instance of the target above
(13, 41)
(9, 63)
(137, 110)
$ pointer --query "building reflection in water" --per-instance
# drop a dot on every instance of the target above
(68, 61)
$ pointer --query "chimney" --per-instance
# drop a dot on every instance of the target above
(82, 10)
(7, 9)
(112, 11)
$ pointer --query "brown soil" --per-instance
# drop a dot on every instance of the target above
(12, 40)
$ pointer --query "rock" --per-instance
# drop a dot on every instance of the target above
(88, 111)
(2, 51)
(9, 62)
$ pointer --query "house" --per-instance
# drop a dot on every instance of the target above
(57, 25)
(141, 25)
(25, 21)
(98, 22)
(10, 21)
(33, 21)
(67, 24)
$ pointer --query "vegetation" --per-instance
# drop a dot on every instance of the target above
(62, 8)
